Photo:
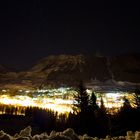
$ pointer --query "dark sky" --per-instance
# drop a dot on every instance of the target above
(30, 30)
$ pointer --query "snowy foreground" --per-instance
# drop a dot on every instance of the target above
(68, 134)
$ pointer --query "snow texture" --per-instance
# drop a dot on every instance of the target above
(68, 134)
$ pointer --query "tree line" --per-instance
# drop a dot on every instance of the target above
(88, 117)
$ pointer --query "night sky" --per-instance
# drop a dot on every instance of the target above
(31, 30)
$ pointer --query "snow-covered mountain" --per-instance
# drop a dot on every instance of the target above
(69, 69)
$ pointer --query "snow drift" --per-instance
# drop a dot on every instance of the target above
(68, 134)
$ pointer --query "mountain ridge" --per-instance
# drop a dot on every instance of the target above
(69, 69)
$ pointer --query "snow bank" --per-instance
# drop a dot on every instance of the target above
(68, 134)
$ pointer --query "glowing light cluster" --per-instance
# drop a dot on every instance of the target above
(59, 100)
(60, 105)
(114, 101)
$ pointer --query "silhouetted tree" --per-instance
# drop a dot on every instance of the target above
(102, 119)
(102, 107)
(82, 98)
(84, 117)
(93, 102)
(126, 104)
(127, 116)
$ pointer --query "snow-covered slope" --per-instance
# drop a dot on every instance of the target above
(69, 69)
